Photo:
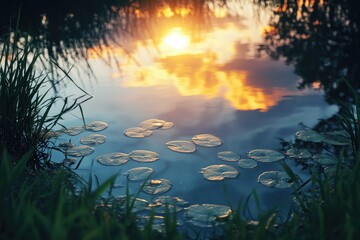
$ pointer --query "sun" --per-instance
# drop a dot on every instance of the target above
(176, 39)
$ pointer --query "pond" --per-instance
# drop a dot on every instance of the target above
(244, 75)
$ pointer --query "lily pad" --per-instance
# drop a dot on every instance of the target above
(144, 156)
(152, 124)
(51, 134)
(325, 159)
(113, 159)
(66, 145)
(80, 151)
(229, 156)
(157, 186)
(139, 173)
(300, 153)
(277, 179)
(338, 138)
(137, 132)
(219, 172)
(308, 135)
(247, 163)
(206, 215)
(174, 204)
(181, 146)
(266, 155)
(96, 126)
(206, 140)
(73, 131)
(93, 139)
(167, 125)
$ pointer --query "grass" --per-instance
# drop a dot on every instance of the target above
(27, 100)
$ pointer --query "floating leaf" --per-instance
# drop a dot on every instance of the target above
(139, 173)
(144, 156)
(93, 139)
(206, 215)
(174, 204)
(181, 146)
(80, 151)
(137, 132)
(277, 179)
(66, 145)
(247, 163)
(206, 140)
(73, 131)
(339, 138)
(156, 186)
(167, 125)
(96, 126)
(266, 155)
(308, 135)
(51, 134)
(229, 156)
(152, 124)
(325, 159)
(113, 159)
(219, 172)
(301, 153)
(70, 161)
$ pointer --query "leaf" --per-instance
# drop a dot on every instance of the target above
(206, 140)
(181, 146)
(266, 155)
(219, 172)
(113, 159)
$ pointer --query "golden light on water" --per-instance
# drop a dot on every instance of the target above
(196, 67)
(176, 39)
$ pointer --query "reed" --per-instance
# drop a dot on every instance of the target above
(27, 101)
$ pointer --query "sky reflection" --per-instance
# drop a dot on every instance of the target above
(199, 66)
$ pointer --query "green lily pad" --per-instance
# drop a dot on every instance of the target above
(139, 173)
(300, 153)
(144, 156)
(247, 163)
(181, 146)
(73, 131)
(338, 138)
(174, 204)
(206, 215)
(93, 139)
(206, 140)
(80, 151)
(219, 172)
(325, 159)
(277, 179)
(137, 132)
(157, 186)
(96, 126)
(113, 159)
(266, 155)
(308, 135)
(229, 156)
(152, 124)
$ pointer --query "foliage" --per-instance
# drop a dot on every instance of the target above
(27, 101)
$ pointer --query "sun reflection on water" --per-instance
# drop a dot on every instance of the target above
(198, 67)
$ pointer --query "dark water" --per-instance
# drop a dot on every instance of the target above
(248, 73)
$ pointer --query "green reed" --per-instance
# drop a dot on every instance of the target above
(27, 100)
